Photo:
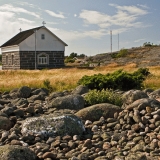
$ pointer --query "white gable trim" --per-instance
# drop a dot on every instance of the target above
(10, 49)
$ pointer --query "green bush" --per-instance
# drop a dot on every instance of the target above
(47, 85)
(121, 53)
(103, 96)
(117, 80)
(69, 60)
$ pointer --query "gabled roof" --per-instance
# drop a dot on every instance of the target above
(17, 39)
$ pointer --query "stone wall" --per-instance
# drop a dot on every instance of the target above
(12, 63)
(26, 60)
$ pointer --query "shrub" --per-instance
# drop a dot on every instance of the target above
(103, 96)
(47, 85)
(69, 60)
(116, 80)
(121, 53)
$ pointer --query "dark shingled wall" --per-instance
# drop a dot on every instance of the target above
(26, 60)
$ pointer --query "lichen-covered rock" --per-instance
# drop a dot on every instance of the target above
(93, 113)
(132, 95)
(24, 92)
(5, 123)
(80, 90)
(50, 125)
(16, 152)
(74, 102)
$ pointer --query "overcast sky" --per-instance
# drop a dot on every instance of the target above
(85, 24)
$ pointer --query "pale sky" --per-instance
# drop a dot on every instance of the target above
(85, 24)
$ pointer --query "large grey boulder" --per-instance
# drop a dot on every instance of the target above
(16, 152)
(51, 125)
(74, 102)
(96, 111)
(141, 104)
(132, 95)
(80, 90)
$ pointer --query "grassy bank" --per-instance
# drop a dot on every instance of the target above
(66, 78)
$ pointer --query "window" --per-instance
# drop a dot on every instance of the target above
(42, 36)
(43, 58)
(6, 59)
(12, 59)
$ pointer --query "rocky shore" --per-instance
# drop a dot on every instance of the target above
(36, 125)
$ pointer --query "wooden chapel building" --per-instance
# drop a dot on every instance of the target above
(36, 48)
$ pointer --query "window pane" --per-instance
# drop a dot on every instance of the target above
(42, 59)
(42, 36)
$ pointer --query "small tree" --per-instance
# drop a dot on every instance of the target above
(72, 55)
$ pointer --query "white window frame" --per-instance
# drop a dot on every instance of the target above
(43, 59)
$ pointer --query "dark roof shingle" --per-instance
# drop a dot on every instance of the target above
(20, 37)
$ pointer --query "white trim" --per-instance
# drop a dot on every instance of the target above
(41, 60)
(10, 49)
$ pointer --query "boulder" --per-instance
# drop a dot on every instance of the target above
(155, 94)
(74, 102)
(67, 124)
(55, 95)
(141, 104)
(36, 97)
(80, 90)
(136, 156)
(7, 110)
(16, 152)
(93, 113)
(14, 93)
(3, 101)
(40, 91)
(5, 123)
(24, 92)
(132, 95)
(19, 101)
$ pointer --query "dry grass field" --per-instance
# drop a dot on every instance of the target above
(66, 78)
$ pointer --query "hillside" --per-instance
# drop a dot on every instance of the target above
(139, 56)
